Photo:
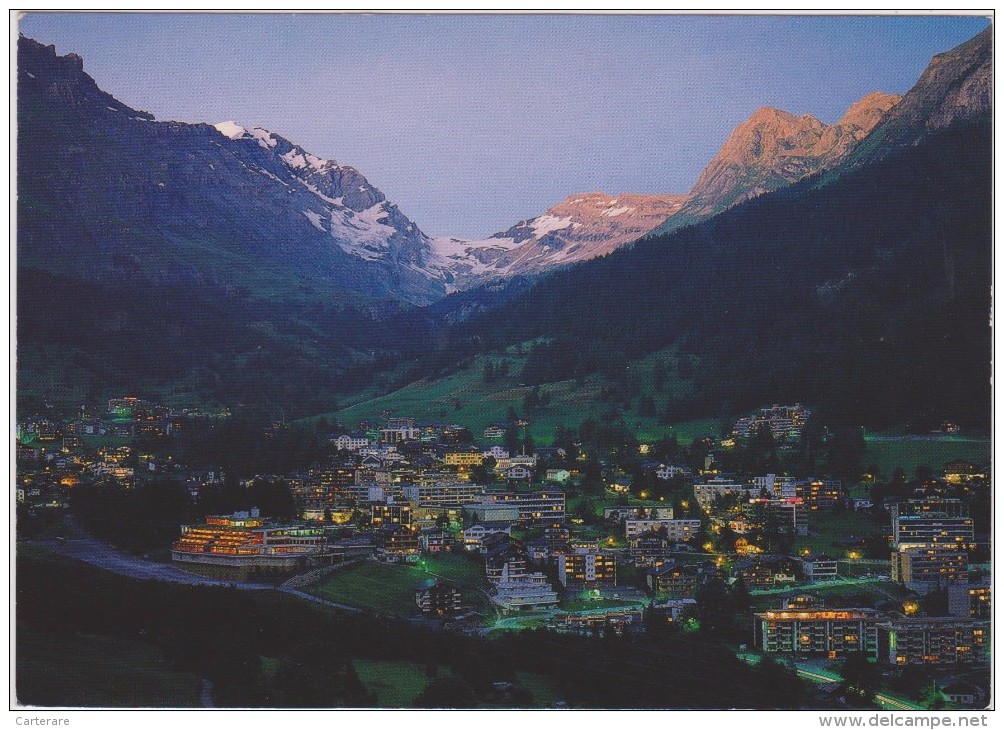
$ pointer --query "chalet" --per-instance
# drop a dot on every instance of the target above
(675, 610)
(550, 453)
(436, 541)
(371, 461)
(557, 535)
(509, 566)
(434, 598)
(671, 471)
(646, 547)
(767, 570)
(517, 473)
(621, 484)
(474, 536)
(963, 472)
(539, 551)
(674, 581)
(397, 542)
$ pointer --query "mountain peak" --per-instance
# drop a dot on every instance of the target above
(235, 131)
(868, 110)
(581, 227)
(774, 148)
(62, 79)
(230, 129)
(955, 87)
(770, 113)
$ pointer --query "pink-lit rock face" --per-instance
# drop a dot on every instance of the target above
(581, 227)
(955, 87)
(775, 148)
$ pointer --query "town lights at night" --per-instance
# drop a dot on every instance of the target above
(719, 438)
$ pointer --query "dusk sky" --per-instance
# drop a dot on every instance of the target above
(472, 123)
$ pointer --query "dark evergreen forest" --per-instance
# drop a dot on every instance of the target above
(867, 294)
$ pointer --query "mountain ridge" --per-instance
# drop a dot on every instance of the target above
(578, 228)
(774, 148)
(955, 86)
(132, 193)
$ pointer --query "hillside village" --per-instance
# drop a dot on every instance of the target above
(278, 447)
(477, 532)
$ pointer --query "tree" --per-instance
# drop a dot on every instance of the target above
(844, 453)
(512, 439)
(759, 454)
(447, 693)
(933, 698)
(646, 406)
(564, 438)
(741, 596)
(528, 445)
(482, 474)
(715, 607)
(862, 679)
(778, 685)
(659, 375)
(586, 511)
(592, 478)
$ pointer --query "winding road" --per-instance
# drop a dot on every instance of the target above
(79, 545)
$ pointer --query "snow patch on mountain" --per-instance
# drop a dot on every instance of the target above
(299, 159)
(548, 224)
(365, 233)
(233, 130)
(315, 219)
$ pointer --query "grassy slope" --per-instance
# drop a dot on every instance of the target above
(910, 453)
(464, 397)
(395, 684)
(828, 532)
(98, 671)
(389, 589)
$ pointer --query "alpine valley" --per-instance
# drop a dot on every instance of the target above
(709, 449)
(224, 264)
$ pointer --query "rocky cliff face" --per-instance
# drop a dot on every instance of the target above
(579, 228)
(955, 87)
(108, 191)
(773, 149)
